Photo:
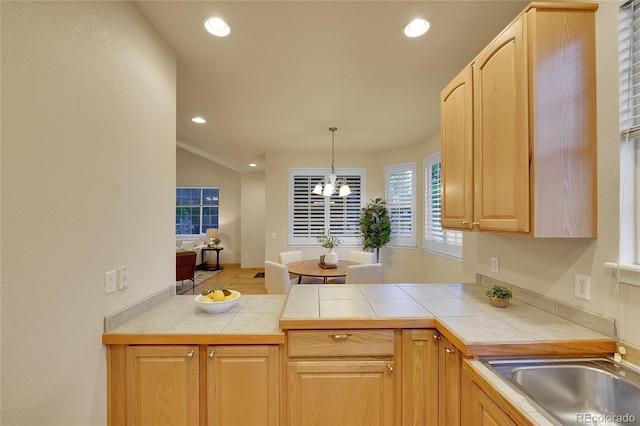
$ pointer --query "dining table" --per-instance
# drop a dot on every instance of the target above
(312, 268)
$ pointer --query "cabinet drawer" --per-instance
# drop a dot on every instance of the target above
(340, 343)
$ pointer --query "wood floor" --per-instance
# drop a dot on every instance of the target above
(235, 278)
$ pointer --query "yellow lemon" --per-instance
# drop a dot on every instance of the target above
(229, 297)
(218, 296)
(204, 299)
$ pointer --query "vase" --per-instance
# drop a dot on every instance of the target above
(331, 258)
(499, 303)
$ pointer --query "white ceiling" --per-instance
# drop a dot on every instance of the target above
(292, 69)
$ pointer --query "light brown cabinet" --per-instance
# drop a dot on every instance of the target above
(419, 378)
(342, 377)
(483, 406)
(228, 385)
(532, 96)
(449, 370)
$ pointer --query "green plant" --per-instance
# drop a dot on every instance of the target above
(375, 225)
(328, 241)
(498, 292)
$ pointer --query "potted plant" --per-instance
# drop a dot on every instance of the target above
(375, 225)
(329, 242)
(214, 242)
(499, 295)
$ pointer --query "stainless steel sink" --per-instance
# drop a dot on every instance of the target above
(577, 391)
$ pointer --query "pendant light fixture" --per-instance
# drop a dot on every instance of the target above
(333, 182)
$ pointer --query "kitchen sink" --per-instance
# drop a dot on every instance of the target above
(594, 391)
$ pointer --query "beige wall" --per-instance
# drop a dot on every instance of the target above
(193, 170)
(253, 220)
(88, 181)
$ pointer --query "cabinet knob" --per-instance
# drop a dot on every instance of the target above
(191, 354)
(464, 222)
(390, 368)
(450, 351)
(211, 354)
(340, 336)
(436, 336)
(475, 224)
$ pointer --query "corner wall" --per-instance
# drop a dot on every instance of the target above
(88, 184)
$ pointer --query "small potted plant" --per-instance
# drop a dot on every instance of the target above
(215, 242)
(499, 295)
(328, 241)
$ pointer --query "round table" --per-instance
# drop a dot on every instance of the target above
(312, 268)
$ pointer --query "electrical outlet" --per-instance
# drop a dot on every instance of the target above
(495, 264)
(110, 282)
(582, 286)
(122, 278)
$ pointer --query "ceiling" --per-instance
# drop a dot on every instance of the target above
(289, 70)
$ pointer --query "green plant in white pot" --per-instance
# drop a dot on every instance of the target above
(329, 242)
(499, 295)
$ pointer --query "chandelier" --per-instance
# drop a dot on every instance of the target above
(333, 182)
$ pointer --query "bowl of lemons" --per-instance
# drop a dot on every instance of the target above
(217, 300)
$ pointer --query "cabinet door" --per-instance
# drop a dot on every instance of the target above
(484, 412)
(243, 385)
(419, 378)
(501, 143)
(341, 393)
(456, 106)
(449, 362)
(162, 385)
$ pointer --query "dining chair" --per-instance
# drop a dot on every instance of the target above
(364, 274)
(287, 257)
(362, 256)
(186, 267)
(276, 278)
(356, 256)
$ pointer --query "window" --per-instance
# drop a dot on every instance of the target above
(310, 213)
(629, 27)
(197, 210)
(401, 203)
(436, 239)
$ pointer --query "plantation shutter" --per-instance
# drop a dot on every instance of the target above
(630, 69)
(400, 198)
(311, 213)
(436, 239)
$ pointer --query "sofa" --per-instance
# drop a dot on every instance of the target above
(191, 244)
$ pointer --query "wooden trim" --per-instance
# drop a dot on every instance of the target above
(193, 339)
(116, 385)
(321, 324)
(470, 374)
(595, 347)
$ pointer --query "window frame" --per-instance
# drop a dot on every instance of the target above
(201, 206)
(317, 175)
(431, 245)
(410, 240)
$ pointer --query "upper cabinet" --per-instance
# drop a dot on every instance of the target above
(519, 129)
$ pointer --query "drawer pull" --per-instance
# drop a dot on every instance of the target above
(191, 354)
(390, 368)
(340, 336)
(211, 354)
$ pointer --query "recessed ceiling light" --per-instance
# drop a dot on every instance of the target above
(217, 27)
(417, 27)
(198, 120)
(253, 165)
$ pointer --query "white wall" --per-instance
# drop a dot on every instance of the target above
(193, 170)
(88, 181)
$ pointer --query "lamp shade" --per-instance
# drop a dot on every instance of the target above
(213, 233)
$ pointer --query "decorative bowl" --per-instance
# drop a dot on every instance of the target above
(217, 307)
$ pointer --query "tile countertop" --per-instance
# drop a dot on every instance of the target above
(460, 311)
(253, 319)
